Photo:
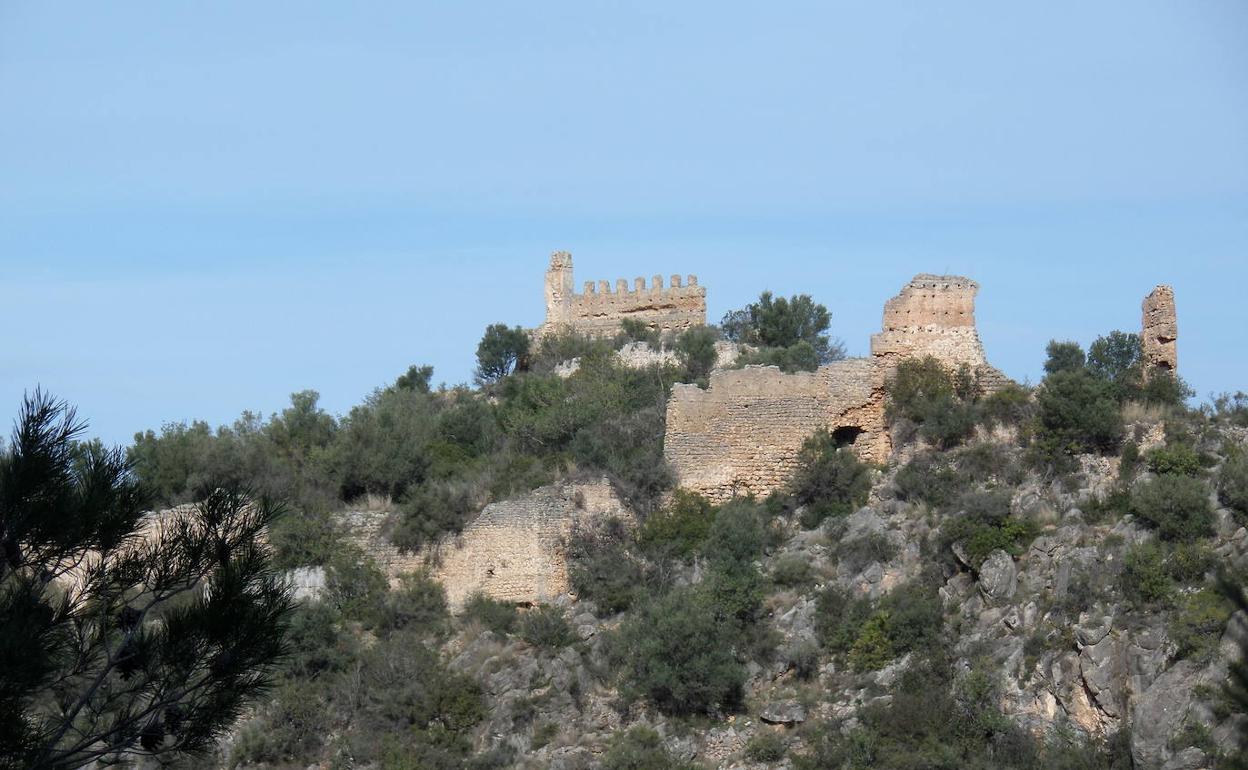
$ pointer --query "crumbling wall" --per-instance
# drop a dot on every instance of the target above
(742, 435)
(1160, 332)
(515, 550)
(598, 310)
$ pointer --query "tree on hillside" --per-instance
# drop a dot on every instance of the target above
(120, 637)
(500, 352)
(797, 325)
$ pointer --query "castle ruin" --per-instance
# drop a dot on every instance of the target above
(599, 311)
(742, 434)
(1160, 332)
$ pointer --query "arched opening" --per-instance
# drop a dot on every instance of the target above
(846, 435)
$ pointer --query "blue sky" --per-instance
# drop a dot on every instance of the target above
(207, 206)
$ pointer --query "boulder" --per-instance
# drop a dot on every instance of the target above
(788, 712)
(998, 577)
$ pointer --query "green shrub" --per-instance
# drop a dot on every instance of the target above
(641, 748)
(803, 659)
(356, 588)
(681, 527)
(737, 536)
(1144, 578)
(792, 571)
(984, 524)
(418, 604)
(829, 480)
(695, 348)
(928, 479)
(543, 734)
(786, 325)
(766, 746)
(1190, 562)
(634, 330)
(839, 617)
(546, 627)
(872, 649)
(1008, 405)
(854, 555)
(1076, 412)
(1198, 623)
(1179, 459)
(497, 616)
(1233, 484)
(677, 651)
(602, 567)
(1166, 389)
(1177, 506)
(1129, 460)
(1111, 507)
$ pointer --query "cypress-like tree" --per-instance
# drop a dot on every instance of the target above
(121, 634)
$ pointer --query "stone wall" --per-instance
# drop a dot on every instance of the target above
(742, 434)
(1160, 332)
(599, 309)
(513, 551)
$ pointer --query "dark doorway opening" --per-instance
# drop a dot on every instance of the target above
(846, 436)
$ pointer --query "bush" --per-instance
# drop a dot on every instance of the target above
(792, 571)
(1190, 562)
(766, 746)
(356, 587)
(634, 330)
(829, 481)
(695, 348)
(1176, 506)
(602, 567)
(1116, 358)
(1144, 579)
(1076, 412)
(784, 323)
(546, 627)
(1166, 389)
(641, 748)
(677, 652)
(854, 555)
(497, 616)
(418, 604)
(984, 524)
(1198, 624)
(927, 479)
(1009, 405)
(679, 529)
(1233, 484)
(1178, 459)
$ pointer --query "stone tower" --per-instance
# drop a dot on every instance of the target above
(1160, 332)
(559, 289)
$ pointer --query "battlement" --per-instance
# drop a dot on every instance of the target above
(599, 309)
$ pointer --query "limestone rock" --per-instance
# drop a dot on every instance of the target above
(788, 712)
(998, 577)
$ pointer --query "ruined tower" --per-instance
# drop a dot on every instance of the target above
(1160, 332)
(559, 288)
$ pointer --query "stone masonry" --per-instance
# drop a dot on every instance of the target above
(1160, 331)
(742, 434)
(515, 550)
(599, 310)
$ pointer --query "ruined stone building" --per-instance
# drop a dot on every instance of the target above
(514, 550)
(1160, 331)
(598, 310)
(743, 433)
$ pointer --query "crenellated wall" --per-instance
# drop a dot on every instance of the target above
(599, 309)
(743, 433)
